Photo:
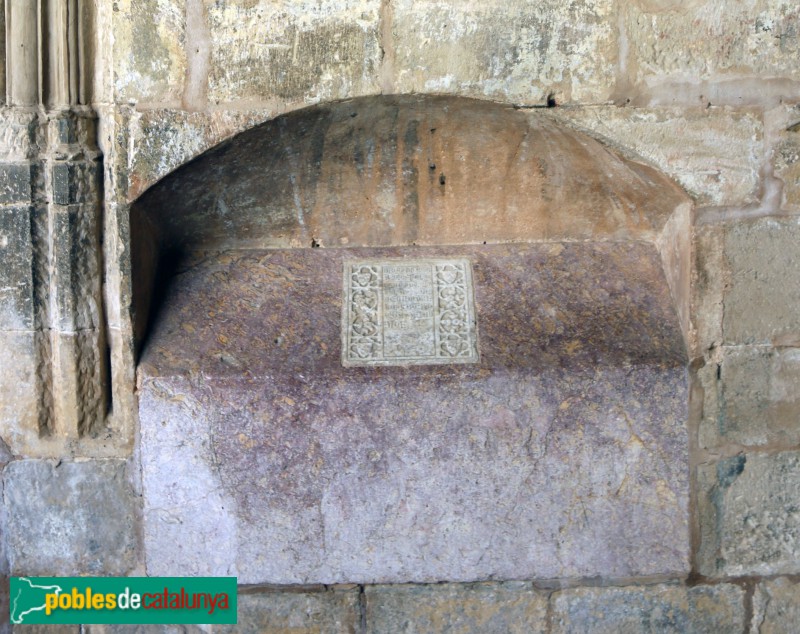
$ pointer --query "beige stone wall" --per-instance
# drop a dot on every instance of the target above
(707, 91)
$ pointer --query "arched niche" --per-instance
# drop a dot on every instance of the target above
(560, 453)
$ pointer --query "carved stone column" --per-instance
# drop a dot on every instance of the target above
(51, 192)
(22, 52)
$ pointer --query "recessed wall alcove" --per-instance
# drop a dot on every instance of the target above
(563, 453)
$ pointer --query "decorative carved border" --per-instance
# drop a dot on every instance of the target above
(455, 332)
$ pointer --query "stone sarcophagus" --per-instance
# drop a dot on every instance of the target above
(413, 339)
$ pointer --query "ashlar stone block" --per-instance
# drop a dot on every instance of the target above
(714, 153)
(786, 156)
(501, 608)
(16, 183)
(20, 389)
(705, 39)
(762, 302)
(326, 611)
(16, 272)
(149, 55)
(302, 51)
(656, 608)
(776, 606)
(70, 518)
(516, 51)
(750, 515)
(707, 287)
(753, 397)
(18, 134)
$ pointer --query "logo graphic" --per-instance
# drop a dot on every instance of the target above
(134, 600)
(30, 597)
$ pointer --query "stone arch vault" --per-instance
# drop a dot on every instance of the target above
(279, 465)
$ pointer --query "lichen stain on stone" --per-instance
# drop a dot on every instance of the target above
(729, 469)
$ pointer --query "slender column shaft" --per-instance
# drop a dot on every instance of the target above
(22, 52)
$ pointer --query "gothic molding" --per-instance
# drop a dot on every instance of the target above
(60, 202)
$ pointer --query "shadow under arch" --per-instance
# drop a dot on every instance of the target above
(403, 170)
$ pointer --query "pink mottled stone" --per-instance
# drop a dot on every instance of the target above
(563, 453)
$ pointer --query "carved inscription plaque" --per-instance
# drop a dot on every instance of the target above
(408, 312)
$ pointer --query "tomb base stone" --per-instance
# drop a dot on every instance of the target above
(558, 451)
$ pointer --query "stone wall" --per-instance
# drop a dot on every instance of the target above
(706, 91)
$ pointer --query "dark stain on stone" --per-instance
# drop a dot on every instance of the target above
(410, 181)
(729, 469)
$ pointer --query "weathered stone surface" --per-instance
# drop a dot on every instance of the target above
(707, 294)
(409, 170)
(20, 390)
(18, 128)
(714, 153)
(750, 515)
(762, 303)
(70, 518)
(657, 608)
(331, 611)
(75, 182)
(75, 268)
(16, 183)
(78, 382)
(724, 90)
(5, 455)
(787, 168)
(563, 453)
(520, 52)
(303, 51)
(16, 272)
(163, 140)
(2, 54)
(786, 157)
(149, 56)
(776, 607)
(52, 390)
(752, 397)
(459, 608)
(700, 39)
(72, 134)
